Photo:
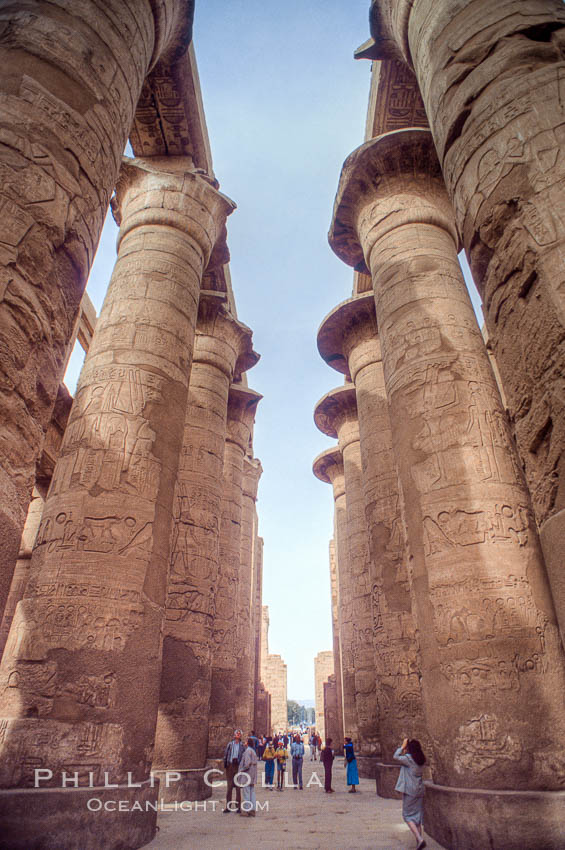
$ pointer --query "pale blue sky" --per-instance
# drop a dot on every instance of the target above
(285, 103)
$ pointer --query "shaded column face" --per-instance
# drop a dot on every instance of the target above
(247, 590)
(490, 648)
(397, 660)
(227, 700)
(334, 569)
(182, 727)
(90, 624)
(71, 80)
(499, 132)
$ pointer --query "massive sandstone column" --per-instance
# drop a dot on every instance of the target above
(228, 703)
(338, 733)
(260, 719)
(492, 661)
(329, 466)
(336, 416)
(71, 78)
(80, 674)
(323, 669)
(247, 592)
(348, 340)
(222, 349)
(492, 77)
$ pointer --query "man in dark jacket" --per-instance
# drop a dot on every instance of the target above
(327, 759)
(232, 757)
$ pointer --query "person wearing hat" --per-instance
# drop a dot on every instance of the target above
(232, 757)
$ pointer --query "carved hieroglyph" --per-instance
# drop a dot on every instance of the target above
(71, 79)
(222, 347)
(489, 644)
(227, 701)
(329, 467)
(336, 416)
(348, 340)
(492, 76)
(323, 669)
(91, 620)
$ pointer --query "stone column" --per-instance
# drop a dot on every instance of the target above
(72, 78)
(500, 146)
(492, 661)
(331, 722)
(247, 593)
(258, 712)
(336, 416)
(338, 733)
(226, 699)
(348, 340)
(323, 669)
(329, 467)
(81, 670)
(222, 348)
(21, 573)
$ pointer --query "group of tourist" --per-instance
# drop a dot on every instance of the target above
(240, 758)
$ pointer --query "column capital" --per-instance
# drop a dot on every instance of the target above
(168, 191)
(217, 329)
(349, 325)
(335, 409)
(252, 472)
(388, 20)
(242, 406)
(390, 180)
(328, 467)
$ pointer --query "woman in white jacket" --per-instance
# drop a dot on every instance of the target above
(411, 786)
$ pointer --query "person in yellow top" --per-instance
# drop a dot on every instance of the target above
(281, 755)
(269, 757)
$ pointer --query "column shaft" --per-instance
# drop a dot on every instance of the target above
(91, 622)
(72, 78)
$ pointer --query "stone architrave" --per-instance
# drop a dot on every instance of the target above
(329, 467)
(222, 349)
(492, 661)
(71, 78)
(348, 340)
(323, 669)
(227, 702)
(492, 77)
(337, 733)
(81, 670)
(336, 416)
(247, 593)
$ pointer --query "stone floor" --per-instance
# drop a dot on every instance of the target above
(296, 819)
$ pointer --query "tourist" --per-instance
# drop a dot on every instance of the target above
(297, 753)
(261, 747)
(269, 756)
(281, 755)
(232, 757)
(313, 744)
(352, 775)
(327, 759)
(248, 766)
(285, 740)
(255, 740)
(411, 786)
(319, 742)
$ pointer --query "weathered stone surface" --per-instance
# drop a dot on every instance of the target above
(331, 712)
(247, 594)
(348, 340)
(336, 416)
(227, 701)
(72, 77)
(261, 710)
(489, 644)
(323, 669)
(337, 734)
(273, 675)
(70, 679)
(491, 76)
(329, 467)
(221, 345)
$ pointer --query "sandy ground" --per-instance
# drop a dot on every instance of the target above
(293, 819)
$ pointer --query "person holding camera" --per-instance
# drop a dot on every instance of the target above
(232, 757)
(411, 786)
